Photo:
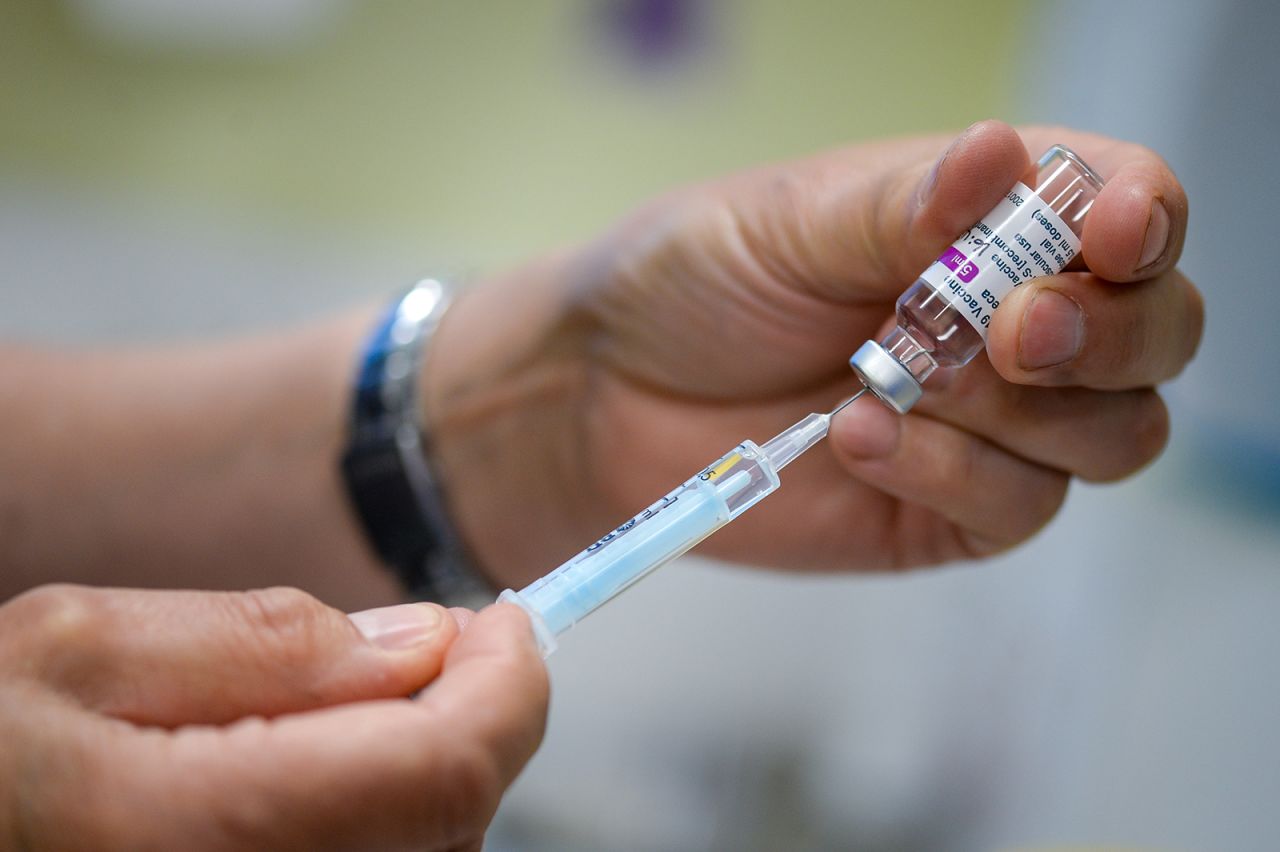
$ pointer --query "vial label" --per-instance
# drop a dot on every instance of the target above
(1020, 239)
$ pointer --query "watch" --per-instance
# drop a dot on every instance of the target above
(386, 464)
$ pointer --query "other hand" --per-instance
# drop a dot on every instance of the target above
(211, 721)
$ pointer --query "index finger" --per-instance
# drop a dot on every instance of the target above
(390, 772)
(1138, 224)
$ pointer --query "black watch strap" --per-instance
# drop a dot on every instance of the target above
(393, 489)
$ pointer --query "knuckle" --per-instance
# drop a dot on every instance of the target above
(1053, 496)
(1195, 323)
(463, 807)
(541, 693)
(1171, 341)
(277, 608)
(1138, 425)
(1037, 505)
(58, 616)
(286, 621)
(250, 813)
(477, 777)
(523, 731)
(771, 227)
(1040, 504)
(1119, 338)
(1151, 429)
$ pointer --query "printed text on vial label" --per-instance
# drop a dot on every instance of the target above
(1019, 240)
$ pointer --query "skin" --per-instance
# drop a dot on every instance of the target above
(728, 311)
(560, 398)
(264, 720)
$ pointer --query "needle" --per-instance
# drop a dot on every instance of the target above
(846, 402)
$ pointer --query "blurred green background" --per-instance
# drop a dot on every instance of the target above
(486, 130)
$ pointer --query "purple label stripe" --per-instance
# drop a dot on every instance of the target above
(957, 262)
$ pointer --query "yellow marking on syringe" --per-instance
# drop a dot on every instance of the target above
(725, 465)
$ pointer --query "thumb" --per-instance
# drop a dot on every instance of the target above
(963, 184)
(171, 658)
(861, 223)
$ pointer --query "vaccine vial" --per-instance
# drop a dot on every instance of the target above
(943, 317)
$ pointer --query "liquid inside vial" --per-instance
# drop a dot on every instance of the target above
(934, 334)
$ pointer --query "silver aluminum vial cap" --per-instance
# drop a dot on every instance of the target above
(886, 377)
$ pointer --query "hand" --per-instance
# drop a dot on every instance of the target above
(572, 393)
(187, 720)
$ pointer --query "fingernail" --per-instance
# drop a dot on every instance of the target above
(1153, 245)
(1052, 331)
(868, 430)
(398, 628)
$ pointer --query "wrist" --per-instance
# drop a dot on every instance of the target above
(502, 393)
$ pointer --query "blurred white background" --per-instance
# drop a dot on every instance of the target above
(171, 168)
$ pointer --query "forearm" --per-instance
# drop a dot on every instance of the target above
(211, 466)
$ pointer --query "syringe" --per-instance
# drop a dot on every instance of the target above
(943, 320)
(698, 507)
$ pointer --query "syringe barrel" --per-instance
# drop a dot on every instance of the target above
(694, 510)
(943, 317)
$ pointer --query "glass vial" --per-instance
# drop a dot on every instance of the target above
(943, 317)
